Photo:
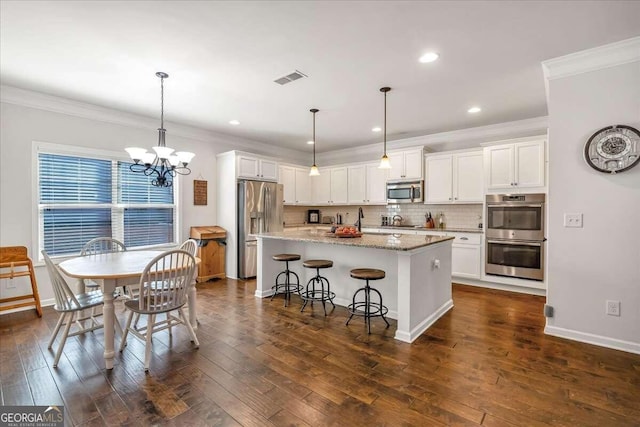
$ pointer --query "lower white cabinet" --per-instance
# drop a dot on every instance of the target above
(466, 253)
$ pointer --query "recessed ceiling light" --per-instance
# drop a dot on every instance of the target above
(234, 122)
(310, 142)
(429, 57)
(376, 129)
(473, 110)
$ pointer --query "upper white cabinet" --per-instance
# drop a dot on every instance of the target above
(297, 185)
(330, 187)
(303, 186)
(454, 178)
(516, 165)
(366, 184)
(406, 164)
(257, 168)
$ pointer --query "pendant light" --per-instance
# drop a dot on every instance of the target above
(314, 169)
(384, 162)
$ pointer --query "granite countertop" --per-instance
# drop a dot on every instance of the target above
(435, 230)
(395, 242)
(390, 227)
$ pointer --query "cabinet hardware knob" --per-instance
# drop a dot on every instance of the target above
(464, 238)
(455, 198)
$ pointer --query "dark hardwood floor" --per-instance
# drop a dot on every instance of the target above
(486, 362)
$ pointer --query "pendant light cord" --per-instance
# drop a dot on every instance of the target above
(162, 102)
(385, 123)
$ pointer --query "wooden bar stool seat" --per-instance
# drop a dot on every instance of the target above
(367, 308)
(323, 291)
(286, 287)
(15, 259)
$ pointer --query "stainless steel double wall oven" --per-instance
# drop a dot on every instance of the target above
(515, 235)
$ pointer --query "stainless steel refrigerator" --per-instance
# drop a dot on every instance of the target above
(259, 210)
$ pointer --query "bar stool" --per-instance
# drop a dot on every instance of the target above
(286, 287)
(311, 293)
(367, 308)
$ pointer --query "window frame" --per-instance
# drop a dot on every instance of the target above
(117, 209)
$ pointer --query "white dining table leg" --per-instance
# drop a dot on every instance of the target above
(193, 318)
(108, 311)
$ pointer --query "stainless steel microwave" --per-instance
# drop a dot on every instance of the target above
(405, 191)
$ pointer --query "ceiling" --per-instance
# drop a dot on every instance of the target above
(222, 58)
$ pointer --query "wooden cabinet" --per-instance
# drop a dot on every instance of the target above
(406, 164)
(454, 178)
(257, 168)
(297, 185)
(367, 184)
(330, 187)
(211, 251)
(514, 166)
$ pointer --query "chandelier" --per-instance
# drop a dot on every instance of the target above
(384, 161)
(162, 163)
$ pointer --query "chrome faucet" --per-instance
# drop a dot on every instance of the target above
(359, 221)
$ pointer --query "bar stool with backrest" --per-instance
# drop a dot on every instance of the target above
(367, 308)
(286, 287)
(318, 287)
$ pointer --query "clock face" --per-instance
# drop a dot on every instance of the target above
(613, 149)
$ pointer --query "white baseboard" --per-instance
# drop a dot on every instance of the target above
(411, 336)
(43, 303)
(628, 346)
(499, 286)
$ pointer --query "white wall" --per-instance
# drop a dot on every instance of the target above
(94, 127)
(600, 261)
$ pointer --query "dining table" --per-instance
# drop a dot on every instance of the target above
(112, 270)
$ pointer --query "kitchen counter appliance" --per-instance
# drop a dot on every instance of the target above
(260, 209)
(405, 191)
(515, 235)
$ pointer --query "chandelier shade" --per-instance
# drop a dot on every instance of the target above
(162, 162)
(314, 169)
(384, 161)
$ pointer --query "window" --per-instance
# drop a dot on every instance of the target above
(84, 196)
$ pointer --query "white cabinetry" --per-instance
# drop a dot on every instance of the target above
(466, 253)
(257, 168)
(330, 187)
(297, 185)
(454, 178)
(366, 184)
(406, 164)
(303, 186)
(515, 165)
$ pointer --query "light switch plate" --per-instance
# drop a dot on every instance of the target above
(573, 220)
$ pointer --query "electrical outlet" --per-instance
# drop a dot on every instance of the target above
(573, 220)
(613, 308)
(9, 283)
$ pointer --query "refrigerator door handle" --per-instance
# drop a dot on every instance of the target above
(265, 203)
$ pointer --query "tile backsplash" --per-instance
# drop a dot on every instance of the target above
(456, 216)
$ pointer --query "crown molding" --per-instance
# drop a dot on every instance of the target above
(470, 136)
(584, 61)
(56, 104)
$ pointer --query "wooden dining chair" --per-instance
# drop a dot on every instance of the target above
(164, 285)
(69, 305)
(100, 245)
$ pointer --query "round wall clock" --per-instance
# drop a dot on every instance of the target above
(613, 149)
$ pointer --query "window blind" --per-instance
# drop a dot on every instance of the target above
(81, 198)
(67, 179)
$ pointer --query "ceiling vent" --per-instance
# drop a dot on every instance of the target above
(290, 78)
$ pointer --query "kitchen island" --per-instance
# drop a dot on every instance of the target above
(417, 286)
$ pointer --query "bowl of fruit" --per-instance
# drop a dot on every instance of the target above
(347, 231)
